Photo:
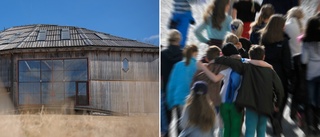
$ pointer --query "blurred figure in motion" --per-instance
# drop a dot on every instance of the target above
(169, 57)
(198, 116)
(181, 19)
(265, 13)
(216, 23)
(245, 10)
(180, 79)
(311, 56)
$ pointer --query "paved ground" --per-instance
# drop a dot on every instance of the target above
(290, 128)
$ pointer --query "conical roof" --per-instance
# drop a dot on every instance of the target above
(54, 36)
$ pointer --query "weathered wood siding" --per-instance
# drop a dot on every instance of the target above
(5, 71)
(134, 91)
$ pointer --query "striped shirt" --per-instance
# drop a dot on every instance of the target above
(181, 6)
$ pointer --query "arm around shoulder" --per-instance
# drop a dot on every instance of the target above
(235, 64)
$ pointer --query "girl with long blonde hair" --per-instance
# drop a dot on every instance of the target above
(198, 117)
(294, 29)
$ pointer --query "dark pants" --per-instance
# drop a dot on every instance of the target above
(313, 107)
(299, 95)
(215, 42)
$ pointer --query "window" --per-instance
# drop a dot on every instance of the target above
(50, 81)
(102, 36)
(65, 34)
(42, 35)
(125, 65)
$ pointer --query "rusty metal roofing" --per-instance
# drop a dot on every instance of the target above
(23, 37)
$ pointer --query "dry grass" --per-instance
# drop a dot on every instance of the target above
(53, 125)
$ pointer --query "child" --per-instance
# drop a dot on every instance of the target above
(214, 88)
(294, 28)
(198, 115)
(231, 38)
(311, 56)
(237, 29)
(277, 53)
(216, 23)
(245, 10)
(258, 101)
(180, 80)
(265, 13)
(181, 18)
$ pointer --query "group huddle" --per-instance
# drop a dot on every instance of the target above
(250, 68)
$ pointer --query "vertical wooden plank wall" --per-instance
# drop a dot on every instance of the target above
(134, 91)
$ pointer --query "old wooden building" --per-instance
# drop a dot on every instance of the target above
(49, 65)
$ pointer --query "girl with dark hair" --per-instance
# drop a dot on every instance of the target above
(277, 53)
(311, 56)
(282, 6)
(180, 80)
(265, 13)
(216, 23)
(198, 117)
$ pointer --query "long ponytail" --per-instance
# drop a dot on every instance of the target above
(188, 51)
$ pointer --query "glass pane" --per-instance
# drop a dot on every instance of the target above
(29, 76)
(70, 89)
(57, 75)
(29, 98)
(29, 66)
(75, 75)
(46, 88)
(58, 87)
(46, 75)
(46, 99)
(30, 88)
(57, 64)
(82, 97)
(125, 65)
(82, 89)
(46, 65)
(75, 64)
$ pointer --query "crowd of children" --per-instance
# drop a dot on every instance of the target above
(250, 68)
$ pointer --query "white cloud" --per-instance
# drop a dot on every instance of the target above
(151, 38)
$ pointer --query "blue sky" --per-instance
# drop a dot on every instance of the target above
(133, 19)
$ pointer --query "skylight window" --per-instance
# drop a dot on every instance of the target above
(42, 35)
(102, 36)
(65, 34)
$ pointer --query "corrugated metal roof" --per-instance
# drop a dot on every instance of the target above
(26, 37)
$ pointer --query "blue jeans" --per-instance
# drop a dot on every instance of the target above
(183, 20)
(255, 122)
(314, 92)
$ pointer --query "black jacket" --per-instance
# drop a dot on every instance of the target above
(258, 87)
(279, 56)
(255, 35)
(169, 57)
